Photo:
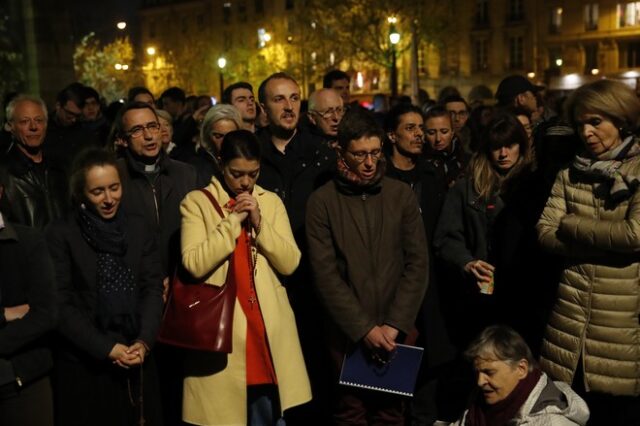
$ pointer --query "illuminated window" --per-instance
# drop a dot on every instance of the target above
(556, 20)
(628, 14)
(516, 53)
(591, 17)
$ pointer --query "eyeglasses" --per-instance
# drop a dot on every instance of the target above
(361, 156)
(137, 131)
(72, 115)
(338, 112)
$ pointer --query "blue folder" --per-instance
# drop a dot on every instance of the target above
(397, 376)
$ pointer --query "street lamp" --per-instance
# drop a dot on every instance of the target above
(394, 39)
(121, 25)
(151, 50)
(222, 62)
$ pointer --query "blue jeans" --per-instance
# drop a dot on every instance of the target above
(263, 406)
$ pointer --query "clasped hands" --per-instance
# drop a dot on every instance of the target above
(247, 206)
(481, 270)
(128, 356)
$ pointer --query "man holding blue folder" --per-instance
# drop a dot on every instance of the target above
(368, 251)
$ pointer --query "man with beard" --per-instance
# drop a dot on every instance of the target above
(294, 163)
(240, 95)
(368, 251)
(35, 188)
(326, 109)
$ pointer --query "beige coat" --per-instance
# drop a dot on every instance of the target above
(215, 384)
(596, 311)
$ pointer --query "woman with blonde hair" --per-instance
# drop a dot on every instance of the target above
(592, 219)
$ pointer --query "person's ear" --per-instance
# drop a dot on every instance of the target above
(392, 137)
(522, 369)
(311, 119)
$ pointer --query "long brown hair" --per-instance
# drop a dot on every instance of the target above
(503, 130)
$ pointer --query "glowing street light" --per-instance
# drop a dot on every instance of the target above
(394, 39)
(121, 25)
(222, 62)
(267, 37)
(118, 66)
(151, 50)
(559, 62)
(531, 75)
(595, 71)
(125, 67)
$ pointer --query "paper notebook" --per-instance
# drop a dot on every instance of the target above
(396, 376)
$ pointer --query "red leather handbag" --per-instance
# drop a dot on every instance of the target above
(198, 315)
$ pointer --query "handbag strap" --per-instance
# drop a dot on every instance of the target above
(213, 200)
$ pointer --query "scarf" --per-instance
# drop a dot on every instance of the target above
(500, 413)
(622, 185)
(115, 281)
(352, 184)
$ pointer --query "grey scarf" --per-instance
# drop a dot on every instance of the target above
(622, 185)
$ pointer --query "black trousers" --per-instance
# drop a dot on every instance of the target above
(31, 405)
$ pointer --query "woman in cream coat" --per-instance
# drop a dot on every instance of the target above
(221, 389)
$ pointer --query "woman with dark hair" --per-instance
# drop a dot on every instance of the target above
(464, 236)
(110, 301)
(592, 220)
(252, 244)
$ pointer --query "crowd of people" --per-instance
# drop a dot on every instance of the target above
(503, 238)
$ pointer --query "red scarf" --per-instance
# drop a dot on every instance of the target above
(498, 414)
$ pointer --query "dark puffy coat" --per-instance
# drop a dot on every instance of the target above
(32, 197)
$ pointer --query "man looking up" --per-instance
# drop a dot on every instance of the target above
(326, 109)
(240, 95)
(35, 187)
(295, 163)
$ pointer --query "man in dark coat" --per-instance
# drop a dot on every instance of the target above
(154, 185)
(294, 163)
(26, 314)
(35, 186)
(369, 257)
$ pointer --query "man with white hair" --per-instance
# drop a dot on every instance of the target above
(35, 188)
(326, 109)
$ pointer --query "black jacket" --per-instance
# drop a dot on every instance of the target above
(34, 194)
(158, 200)
(26, 276)
(63, 144)
(75, 266)
(307, 165)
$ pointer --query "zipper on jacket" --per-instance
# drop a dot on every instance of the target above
(155, 202)
(367, 223)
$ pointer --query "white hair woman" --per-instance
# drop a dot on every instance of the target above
(511, 388)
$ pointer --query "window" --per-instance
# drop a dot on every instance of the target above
(591, 17)
(628, 14)
(242, 11)
(516, 11)
(630, 54)
(556, 20)
(555, 58)
(259, 6)
(200, 22)
(288, 4)
(590, 57)
(152, 29)
(482, 13)
(227, 41)
(516, 53)
(226, 13)
(480, 55)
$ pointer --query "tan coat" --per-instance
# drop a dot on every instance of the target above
(596, 312)
(215, 384)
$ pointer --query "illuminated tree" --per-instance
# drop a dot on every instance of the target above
(107, 68)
